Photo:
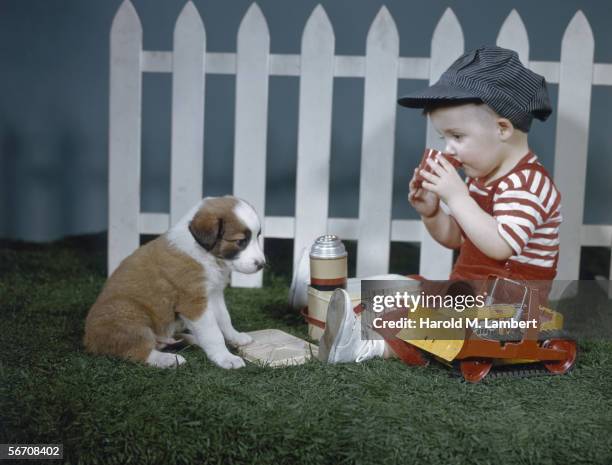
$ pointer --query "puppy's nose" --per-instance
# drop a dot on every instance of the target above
(260, 264)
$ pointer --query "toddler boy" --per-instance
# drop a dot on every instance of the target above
(504, 218)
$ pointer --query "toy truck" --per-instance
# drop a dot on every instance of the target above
(543, 347)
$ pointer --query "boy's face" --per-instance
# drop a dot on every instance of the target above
(471, 133)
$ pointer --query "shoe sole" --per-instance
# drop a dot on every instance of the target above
(334, 320)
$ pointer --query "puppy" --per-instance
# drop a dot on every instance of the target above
(178, 280)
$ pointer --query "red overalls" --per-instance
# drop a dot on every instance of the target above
(472, 264)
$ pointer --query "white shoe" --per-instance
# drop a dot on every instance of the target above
(298, 292)
(341, 341)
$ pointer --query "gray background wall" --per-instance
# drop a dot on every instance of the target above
(54, 67)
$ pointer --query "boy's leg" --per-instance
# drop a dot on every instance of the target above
(341, 341)
(398, 348)
(389, 353)
(407, 353)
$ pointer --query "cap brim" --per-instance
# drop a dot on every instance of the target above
(437, 92)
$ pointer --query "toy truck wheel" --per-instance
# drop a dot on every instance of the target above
(475, 370)
(559, 367)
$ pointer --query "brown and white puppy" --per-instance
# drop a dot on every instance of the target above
(178, 280)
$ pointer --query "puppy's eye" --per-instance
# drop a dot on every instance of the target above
(242, 243)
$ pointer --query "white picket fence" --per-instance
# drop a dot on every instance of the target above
(316, 67)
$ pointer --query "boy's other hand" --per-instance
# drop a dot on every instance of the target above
(425, 202)
(444, 181)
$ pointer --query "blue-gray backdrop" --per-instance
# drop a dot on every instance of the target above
(54, 67)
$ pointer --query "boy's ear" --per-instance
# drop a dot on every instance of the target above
(505, 128)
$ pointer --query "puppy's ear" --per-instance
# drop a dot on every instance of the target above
(206, 229)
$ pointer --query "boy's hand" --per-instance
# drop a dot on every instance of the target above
(426, 203)
(444, 181)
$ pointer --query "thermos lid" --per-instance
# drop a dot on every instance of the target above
(328, 246)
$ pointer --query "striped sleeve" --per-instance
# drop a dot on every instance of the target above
(522, 204)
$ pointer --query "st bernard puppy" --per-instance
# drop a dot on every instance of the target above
(177, 280)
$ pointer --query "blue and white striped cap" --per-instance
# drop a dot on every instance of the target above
(495, 76)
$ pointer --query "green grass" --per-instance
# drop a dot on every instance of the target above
(114, 412)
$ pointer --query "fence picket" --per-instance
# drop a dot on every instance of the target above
(317, 65)
(252, 65)
(513, 35)
(378, 140)
(187, 112)
(124, 135)
(447, 45)
(571, 142)
(314, 136)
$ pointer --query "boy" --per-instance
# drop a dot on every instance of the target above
(504, 218)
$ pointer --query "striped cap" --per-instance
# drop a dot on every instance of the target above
(495, 76)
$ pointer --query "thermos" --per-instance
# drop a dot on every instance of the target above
(328, 263)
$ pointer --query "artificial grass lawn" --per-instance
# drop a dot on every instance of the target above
(114, 412)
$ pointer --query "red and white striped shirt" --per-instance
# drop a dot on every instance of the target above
(527, 207)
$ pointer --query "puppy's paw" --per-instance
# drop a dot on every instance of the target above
(165, 359)
(228, 361)
(189, 338)
(239, 339)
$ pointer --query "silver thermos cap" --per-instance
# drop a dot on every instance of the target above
(328, 247)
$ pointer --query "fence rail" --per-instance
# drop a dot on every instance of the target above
(348, 66)
(316, 66)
